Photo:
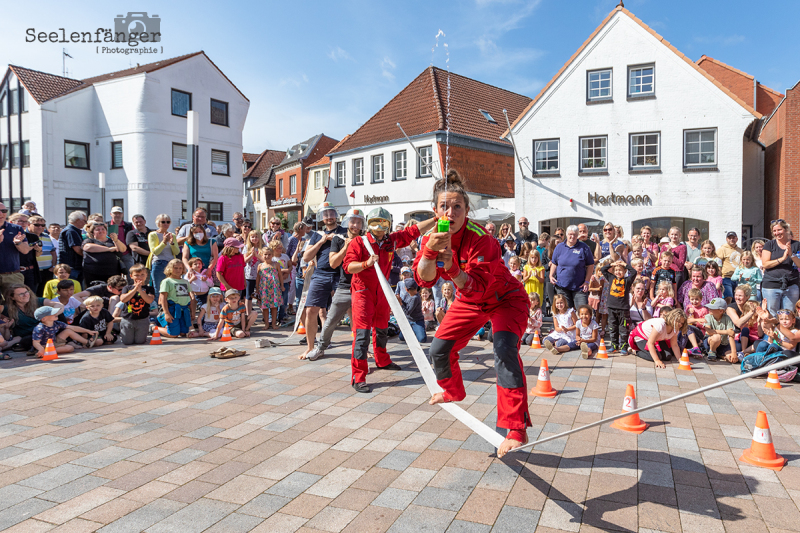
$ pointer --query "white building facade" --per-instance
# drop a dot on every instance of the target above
(132, 127)
(633, 132)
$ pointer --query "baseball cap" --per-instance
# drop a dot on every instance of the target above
(214, 290)
(309, 221)
(42, 312)
(717, 304)
(231, 292)
(116, 209)
(405, 270)
(411, 284)
(510, 238)
(664, 239)
(730, 234)
(232, 242)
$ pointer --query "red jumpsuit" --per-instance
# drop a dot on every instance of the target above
(491, 293)
(370, 308)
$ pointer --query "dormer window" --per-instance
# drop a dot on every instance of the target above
(487, 116)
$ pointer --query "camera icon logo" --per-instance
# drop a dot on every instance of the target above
(136, 23)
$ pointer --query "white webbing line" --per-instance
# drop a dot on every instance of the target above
(789, 362)
(491, 436)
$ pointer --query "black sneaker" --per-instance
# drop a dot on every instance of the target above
(362, 387)
(390, 366)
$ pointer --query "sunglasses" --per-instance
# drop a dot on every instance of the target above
(784, 312)
(40, 225)
(3, 211)
(607, 230)
(247, 227)
(165, 222)
(560, 235)
(523, 223)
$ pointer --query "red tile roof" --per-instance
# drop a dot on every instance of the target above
(44, 87)
(266, 159)
(325, 160)
(250, 158)
(421, 107)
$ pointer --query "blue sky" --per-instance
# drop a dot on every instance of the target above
(311, 67)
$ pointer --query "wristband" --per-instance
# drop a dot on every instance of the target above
(454, 271)
(427, 253)
(364, 265)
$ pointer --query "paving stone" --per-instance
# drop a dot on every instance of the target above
(195, 517)
(398, 460)
(561, 515)
(426, 519)
(449, 500)
(395, 498)
(144, 517)
(293, 485)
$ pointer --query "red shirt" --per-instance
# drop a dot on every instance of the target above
(232, 269)
(479, 256)
(357, 253)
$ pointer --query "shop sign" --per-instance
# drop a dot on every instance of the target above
(375, 199)
(284, 201)
(619, 199)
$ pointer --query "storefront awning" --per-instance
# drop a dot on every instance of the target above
(490, 214)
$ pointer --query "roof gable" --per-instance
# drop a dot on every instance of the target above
(263, 162)
(623, 11)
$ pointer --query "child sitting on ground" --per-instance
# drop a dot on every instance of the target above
(784, 332)
(269, 287)
(534, 319)
(719, 341)
(135, 300)
(562, 338)
(97, 319)
(61, 272)
(52, 328)
(744, 317)
(696, 321)
(664, 298)
(662, 273)
(6, 340)
(514, 266)
(587, 333)
(199, 279)
(72, 306)
(209, 313)
(177, 303)
(428, 308)
(234, 315)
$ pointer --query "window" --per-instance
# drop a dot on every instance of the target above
(358, 171)
(219, 162)
(15, 155)
(593, 154)
(546, 155)
(76, 155)
(317, 179)
(377, 168)
(3, 156)
(340, 174)
(641, 80)
(645, 150)
(24, 101)
(180, 159)
(280, 188)
(425, 167)
(118, 202)
(14, 101)
(116, 154)
(219, 112)
(325, 174)
(76, 204)
(400, 165)
(700, 148)
(660, 226)
(26, 153)
(599, 85)
(3, 106)
(293, 184)
(487, 116)
(181, 103)
(214, 210)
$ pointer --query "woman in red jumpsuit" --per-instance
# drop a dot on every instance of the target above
(486, 290)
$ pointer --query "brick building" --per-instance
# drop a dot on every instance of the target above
(376, 165)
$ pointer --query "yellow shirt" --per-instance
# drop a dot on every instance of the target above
(533, 284)
(51, 291)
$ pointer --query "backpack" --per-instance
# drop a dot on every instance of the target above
(773, 354)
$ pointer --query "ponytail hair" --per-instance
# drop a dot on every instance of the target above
(454, 183)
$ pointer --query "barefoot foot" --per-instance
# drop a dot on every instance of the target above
(507, 445)
(437, 398)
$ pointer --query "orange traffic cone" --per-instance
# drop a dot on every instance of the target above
(685, 362)
(631, 422)
(602, 353)
(301, 330)
(543, 387)
(226, 334)
(762, 451)
(772, 381)
(50, 353)
(156, 338)
(537, 343)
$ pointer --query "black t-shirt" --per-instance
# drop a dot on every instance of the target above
(784, 274)
(139, 238)
(412, 306)
(97, 324)
(619, 291)
(344, 278)
(591, 244)
(104, 263)
(102, 291)
(323, 264)
(137, 308)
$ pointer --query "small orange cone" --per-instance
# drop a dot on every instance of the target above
(762, 451)
(537, 343)
(772, 381)
(685, 362)
(630, 423)
(50, 353)
(602, 353)
(226, 334)
(301, 330)
(543, 387)
(156, 338)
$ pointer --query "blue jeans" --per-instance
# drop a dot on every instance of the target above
(778, 299)
(298, 290)
(419, 331)
(157, 272)
(728, 287)
(575, 299)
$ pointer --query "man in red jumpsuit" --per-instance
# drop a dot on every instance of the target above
(370, 308)
(469, 257)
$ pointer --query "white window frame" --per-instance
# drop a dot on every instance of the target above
(589, 89)
(325, 177)
(645, 166)
(114, 145)
(638, 68)
(227, 162)
(25, 154)
(377, 168)
(358, 171)
(686, 152)
(280, 188)
(341, 174)
(182, 162)
(536, 146)
(425, 164)
(399, 165)
(293, 184)
(584, 158)
(317, 179)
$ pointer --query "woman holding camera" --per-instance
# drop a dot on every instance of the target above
(48, 258)
(28, 266)
(100, 259)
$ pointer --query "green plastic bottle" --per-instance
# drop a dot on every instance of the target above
(443, 226)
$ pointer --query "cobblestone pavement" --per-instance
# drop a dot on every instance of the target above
(163, 438)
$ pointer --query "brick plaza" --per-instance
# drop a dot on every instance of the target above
(164, 438)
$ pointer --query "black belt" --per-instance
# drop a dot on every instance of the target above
(7, 273)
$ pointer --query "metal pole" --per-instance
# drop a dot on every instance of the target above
(783, 364)
(419, 154)
(102, 177)
(192, 159)
(514, 144)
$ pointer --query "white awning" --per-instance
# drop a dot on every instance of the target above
(490, 214)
